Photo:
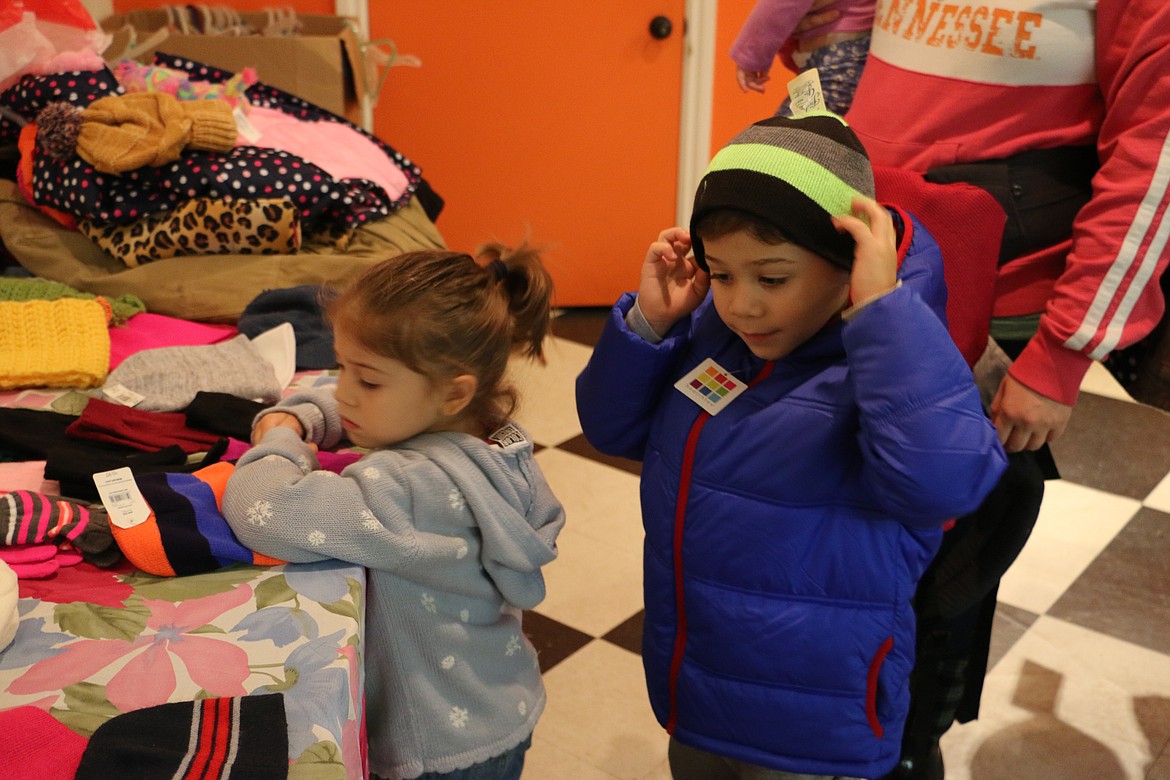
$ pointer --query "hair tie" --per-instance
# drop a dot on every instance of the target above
(497, 269)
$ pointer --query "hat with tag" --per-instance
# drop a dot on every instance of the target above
(185, 532)
(242, 737)
(793, 173)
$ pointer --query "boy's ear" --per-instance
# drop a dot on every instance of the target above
(460, 390)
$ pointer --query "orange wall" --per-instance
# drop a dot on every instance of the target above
(731, 110)
(541, 119)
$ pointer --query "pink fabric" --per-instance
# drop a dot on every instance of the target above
(150, 331)
(330, 461)
(771, 23)
(37, 745)
(27, 475)
(341, 151)
(37, 561)
(16, 555)
(31, 561)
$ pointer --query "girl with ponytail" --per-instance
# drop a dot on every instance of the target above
(448, 510)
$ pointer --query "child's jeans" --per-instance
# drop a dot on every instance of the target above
(687, 763)
(506, 766)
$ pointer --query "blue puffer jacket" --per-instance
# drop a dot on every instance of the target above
(785, 535)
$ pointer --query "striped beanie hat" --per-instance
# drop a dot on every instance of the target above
(242, 738)
(794, 174)
(186, 532)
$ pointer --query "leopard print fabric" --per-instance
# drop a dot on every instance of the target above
(202, 226)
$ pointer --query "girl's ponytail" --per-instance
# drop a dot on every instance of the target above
(528, 288)
(443, 314)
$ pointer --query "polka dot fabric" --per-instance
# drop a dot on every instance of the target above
(73, 186)
(28, 96)
(261, 94)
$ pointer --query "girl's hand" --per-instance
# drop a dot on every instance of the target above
(751, 81)
(672, 285)
(875, 260)
(276, 420)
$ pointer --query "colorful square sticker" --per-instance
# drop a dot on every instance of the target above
(711, 386)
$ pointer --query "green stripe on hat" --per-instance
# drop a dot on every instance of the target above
(818, 183)
(850, 164)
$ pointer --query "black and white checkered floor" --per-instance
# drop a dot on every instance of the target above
(1079, 687)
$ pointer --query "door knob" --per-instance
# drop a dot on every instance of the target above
(661, 27)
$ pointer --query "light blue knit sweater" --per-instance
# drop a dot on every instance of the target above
(454, 531)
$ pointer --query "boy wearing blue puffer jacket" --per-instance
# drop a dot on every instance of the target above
(806, 427)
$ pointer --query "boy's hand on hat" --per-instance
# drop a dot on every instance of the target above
(672, 284)
(875, 258)
(276, 420)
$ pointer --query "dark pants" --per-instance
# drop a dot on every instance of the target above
(688, 763)
(1041, 193)
(956, 601)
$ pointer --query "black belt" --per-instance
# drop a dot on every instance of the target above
(1040, 192)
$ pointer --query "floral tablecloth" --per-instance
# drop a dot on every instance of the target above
(94, 643)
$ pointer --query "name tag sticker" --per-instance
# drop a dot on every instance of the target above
(711, 386)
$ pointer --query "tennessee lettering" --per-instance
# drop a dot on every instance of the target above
(999, 32)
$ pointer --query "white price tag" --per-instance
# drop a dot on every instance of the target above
(123, 395)
(121, 497)
(805, 93)
(244, 126)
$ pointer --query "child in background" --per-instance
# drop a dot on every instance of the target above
(837, 49)
(793, 494)
(449, 511)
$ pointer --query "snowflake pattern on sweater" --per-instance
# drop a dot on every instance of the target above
(454, 531)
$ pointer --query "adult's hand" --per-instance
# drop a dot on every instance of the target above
(1025, 419)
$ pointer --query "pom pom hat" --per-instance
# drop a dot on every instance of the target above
(119, 133)
(794, 174)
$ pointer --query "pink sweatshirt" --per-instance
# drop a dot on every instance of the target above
(771, 22)
(967, 80)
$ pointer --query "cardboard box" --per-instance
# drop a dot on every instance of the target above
(322, 64)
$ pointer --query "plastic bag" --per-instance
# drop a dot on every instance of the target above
(47, 36)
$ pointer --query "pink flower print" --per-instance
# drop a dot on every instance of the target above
(353, 738)
(148, 677)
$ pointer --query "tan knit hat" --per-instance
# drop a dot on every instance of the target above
(123, 132)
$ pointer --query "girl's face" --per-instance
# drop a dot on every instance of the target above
(381, 401)
(774, 296)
